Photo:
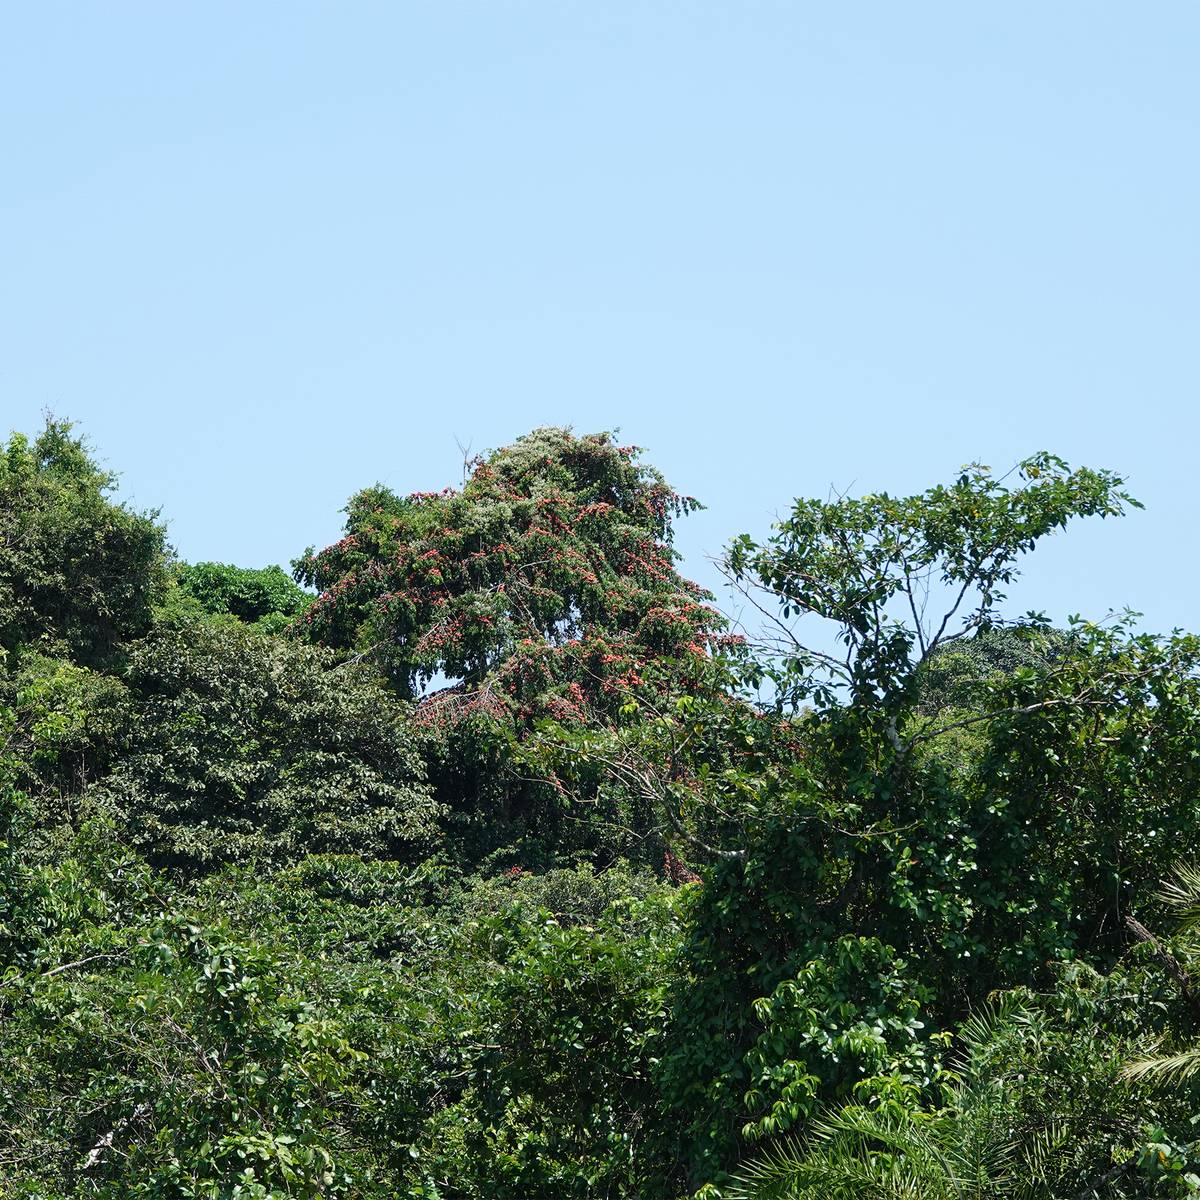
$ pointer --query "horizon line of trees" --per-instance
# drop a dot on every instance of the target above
(482, 858)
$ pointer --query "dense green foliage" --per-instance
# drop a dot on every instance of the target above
(268, 598)
(500, 870)
(235, 746)
(78, 573)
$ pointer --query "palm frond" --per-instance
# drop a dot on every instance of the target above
(1181, 892)
(1044, 1156)
(773, 1177)
(1166, 1068)
(854, 1152)
(990, 1022)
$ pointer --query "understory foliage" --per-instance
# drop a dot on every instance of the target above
(497, 867)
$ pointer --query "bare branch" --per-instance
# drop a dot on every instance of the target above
(1001, 714)
(79, 962)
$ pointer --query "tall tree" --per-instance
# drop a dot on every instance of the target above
(544, 589)
(266, 598)
(551, 567)
(78, 572)
(951, 849)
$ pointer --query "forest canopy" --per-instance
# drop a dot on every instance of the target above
(484, 857)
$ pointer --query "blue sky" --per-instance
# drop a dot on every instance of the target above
(268, 254)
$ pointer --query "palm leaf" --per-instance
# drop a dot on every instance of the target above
(855, 1152)
(1167, 1068)
(1182, 893)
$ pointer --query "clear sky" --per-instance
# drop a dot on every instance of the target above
(267, 254)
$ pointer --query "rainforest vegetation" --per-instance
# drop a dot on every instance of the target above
(480, 857)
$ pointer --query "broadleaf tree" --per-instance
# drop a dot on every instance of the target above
(544, 588)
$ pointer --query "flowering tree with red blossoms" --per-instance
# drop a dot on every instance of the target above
(544, 589)
(545, 586)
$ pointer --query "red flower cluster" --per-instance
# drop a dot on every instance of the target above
(546, 582)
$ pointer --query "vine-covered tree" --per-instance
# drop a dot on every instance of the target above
(544, 589)
(920, 857)
(546, 584)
